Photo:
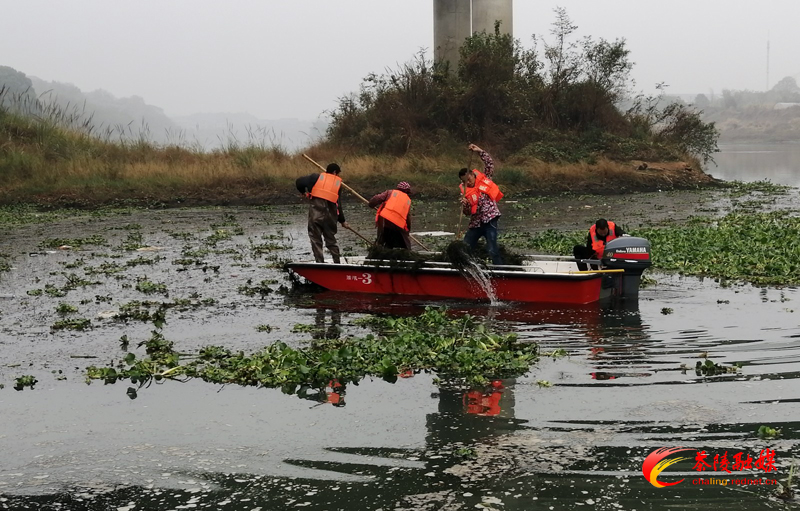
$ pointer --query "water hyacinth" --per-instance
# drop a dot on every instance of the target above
(760, 248)
(460, 351)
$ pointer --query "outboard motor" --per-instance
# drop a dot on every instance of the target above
(632, 255)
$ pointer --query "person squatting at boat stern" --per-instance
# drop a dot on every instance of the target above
(479, 196)
(600, 233)
(322, 190)
(393, 219)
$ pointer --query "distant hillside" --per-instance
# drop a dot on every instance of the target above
(220, 130)
(16, 92)
(757, 124)
(131, 118)
(755, 116)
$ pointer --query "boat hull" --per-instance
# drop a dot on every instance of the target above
(518, 286)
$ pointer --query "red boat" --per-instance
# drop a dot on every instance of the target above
(544, 279)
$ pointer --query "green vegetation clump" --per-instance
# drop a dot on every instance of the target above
(261, 289)
(25, 381)
(79, 324)
(65, 308)
(4, 264)
(711, 368)
(557, 105)
(759, 248)
(768, 432)
(147, 287)
(459, 350)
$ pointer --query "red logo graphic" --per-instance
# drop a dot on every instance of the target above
(657, 461)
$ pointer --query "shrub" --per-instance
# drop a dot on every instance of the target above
(561, 105)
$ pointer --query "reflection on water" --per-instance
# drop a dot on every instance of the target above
(618, 394)
(779, 163)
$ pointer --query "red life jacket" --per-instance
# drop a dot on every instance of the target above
(395, 209)
(482, 185)
(598, 245)
(327, 187)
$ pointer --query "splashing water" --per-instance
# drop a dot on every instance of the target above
(481, 278)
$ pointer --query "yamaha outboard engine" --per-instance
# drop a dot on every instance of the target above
(632, 255)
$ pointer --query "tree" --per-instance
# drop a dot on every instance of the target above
(702, 101)
(562, 55)
(787, 84)
(607, 66)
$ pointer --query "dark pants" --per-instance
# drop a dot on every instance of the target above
(583, 252)
(392, 236)
(322, 217)
(488, 231)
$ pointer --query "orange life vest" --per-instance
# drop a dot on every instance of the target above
(482, 185)
(598, 245)
(327, 187)
(395, 209)
(478, 403)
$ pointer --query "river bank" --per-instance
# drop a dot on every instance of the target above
(270, 180)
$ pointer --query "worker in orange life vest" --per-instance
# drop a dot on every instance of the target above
(600, 233)
(393, 219)
(323, 192)
(479, 196)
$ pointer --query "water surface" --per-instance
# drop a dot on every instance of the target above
(571, 434)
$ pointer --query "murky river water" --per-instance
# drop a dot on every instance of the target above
(779, 163)
(571, 434)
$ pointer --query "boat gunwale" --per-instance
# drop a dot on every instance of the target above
(446, 271)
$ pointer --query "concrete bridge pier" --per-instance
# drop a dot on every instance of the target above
(452, 23)
(486, 12)
(455, 20)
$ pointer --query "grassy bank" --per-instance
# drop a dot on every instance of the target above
(43, 163)
(553, 120)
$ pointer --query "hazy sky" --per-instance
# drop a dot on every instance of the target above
(294, 58)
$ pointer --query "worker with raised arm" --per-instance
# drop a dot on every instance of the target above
(479, 201)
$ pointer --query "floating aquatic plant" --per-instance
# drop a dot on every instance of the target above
(711, 368)
(147, 287)
(25, 381)
(65, 308)
(756, 247)
(768, 432)
(261, 289)
(458, 350)
(72, 324)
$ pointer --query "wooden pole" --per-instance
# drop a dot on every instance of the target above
(369, 243)
(463, 194)
(307, 157)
